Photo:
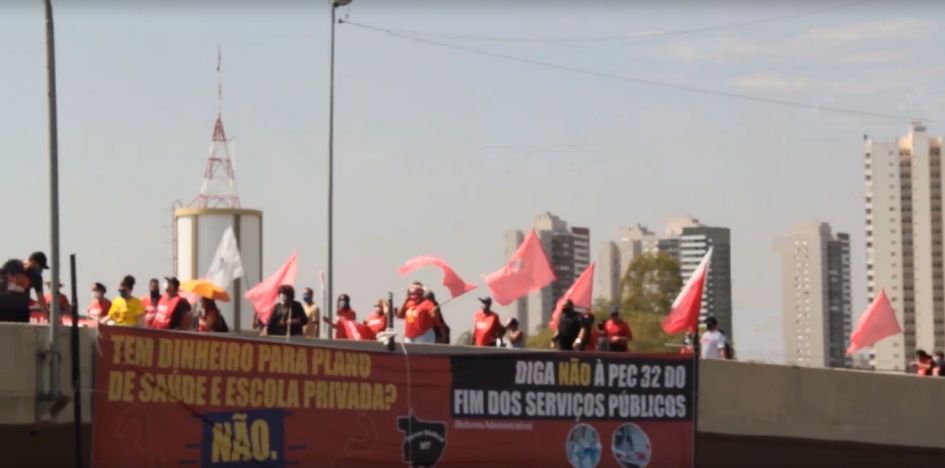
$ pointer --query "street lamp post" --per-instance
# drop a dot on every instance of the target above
(331, 167)
(53, 397)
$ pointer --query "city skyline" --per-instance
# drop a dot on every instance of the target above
(686, 240)
(438, 150)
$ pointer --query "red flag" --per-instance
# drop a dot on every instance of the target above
(528, 270)
(579, 293)
(357, 331)
(684, 315)
(876, 323)
(451, 280)
(263, 296)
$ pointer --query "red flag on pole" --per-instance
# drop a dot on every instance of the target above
(528, 270)
(357, 331)
(579, 293)
(684, 315)
(263, 296)
(451, 280)
(876, 323)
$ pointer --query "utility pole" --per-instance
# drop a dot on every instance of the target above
(52, 400)
(331, 167)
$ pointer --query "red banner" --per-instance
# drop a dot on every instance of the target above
(179, 399)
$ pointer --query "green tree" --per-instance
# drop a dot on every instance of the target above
(651, 284)
(649, 287)
(540, 340)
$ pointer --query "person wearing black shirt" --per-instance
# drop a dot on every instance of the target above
(288, 315)
(570, 325)
(17, 279)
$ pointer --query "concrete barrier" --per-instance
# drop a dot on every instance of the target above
(740, 400)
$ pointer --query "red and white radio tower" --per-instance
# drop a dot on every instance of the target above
(219, 181)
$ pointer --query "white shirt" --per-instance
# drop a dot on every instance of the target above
(712, 344)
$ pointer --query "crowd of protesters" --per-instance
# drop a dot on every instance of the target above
(166, 308)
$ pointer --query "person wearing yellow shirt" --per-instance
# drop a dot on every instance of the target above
(126, 310)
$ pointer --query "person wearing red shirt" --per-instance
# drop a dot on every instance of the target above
(591, 334)
(419, 316)
(99, 307)
(487, 326)
(617, 332)
(64, 308)
(342, 312)
(377, 319)
(151, 302)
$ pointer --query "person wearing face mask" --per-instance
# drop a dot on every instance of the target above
(342, 312)
(419, 316)
(100, 306)
(377, 319)
(312, 312)
(288, 315)
(173, 311)
(151, 302)
(126, 310)
(210, 319)
(17, 279)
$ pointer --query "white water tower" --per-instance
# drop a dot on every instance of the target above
(199, 231)
(199, 228)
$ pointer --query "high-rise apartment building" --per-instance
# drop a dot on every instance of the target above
(816, 307)
(904, 241)
(686, 240)
(568, 249)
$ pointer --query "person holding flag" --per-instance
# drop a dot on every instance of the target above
(288, 316)
(569, 328)
(377, 319)
(342, 312)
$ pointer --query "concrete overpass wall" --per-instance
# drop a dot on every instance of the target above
(746, 410)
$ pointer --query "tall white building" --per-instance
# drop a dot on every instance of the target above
(685, 239)
(816, 308)
(568, 249)
(904, 241)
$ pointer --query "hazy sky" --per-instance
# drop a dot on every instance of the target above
(417, 171)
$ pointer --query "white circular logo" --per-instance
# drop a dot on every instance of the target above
(517, 265)
(583, 446)
(631, 446)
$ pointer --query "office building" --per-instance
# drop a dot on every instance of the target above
(685, 239)
(816, 307)
(904, 241)
(568, 249)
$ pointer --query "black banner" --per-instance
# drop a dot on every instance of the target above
(575, 386)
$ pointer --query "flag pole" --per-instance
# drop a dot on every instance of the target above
(696, 352)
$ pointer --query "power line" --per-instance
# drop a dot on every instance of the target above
(646, 81)
(643, 35)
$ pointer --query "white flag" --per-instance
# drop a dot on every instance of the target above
(226, 265)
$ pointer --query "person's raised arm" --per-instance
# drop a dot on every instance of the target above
(402, 311)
